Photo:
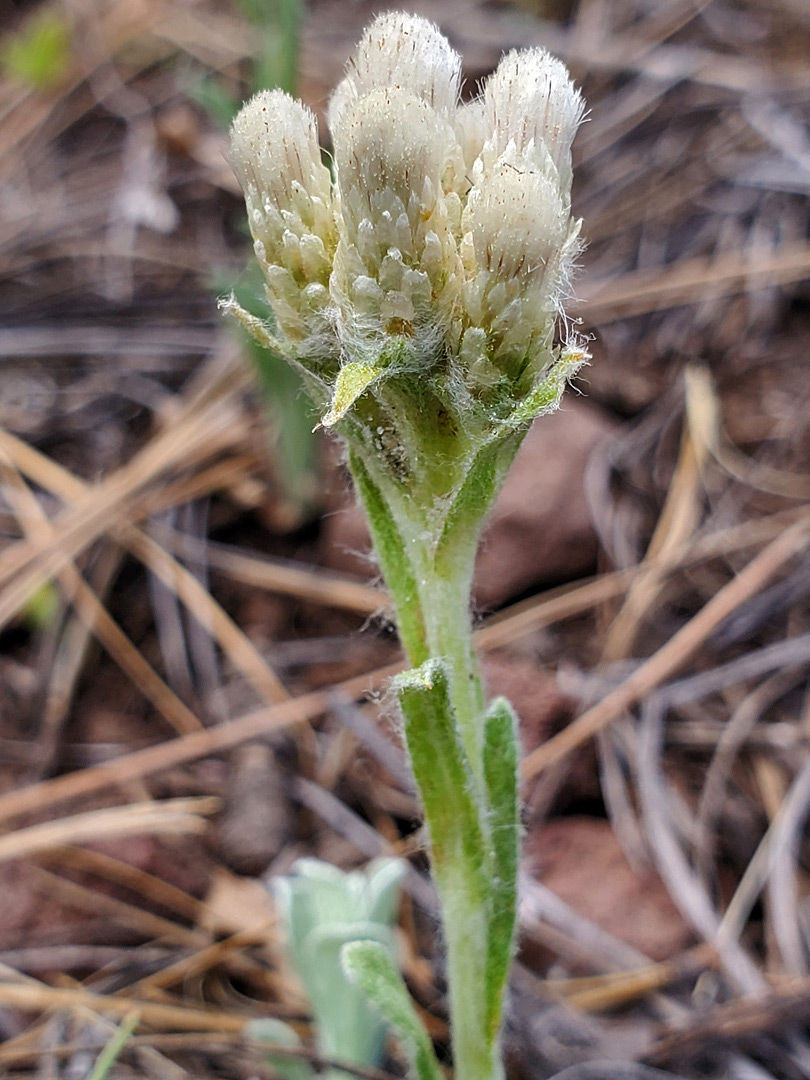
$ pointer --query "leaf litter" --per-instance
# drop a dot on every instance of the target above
(194, 639)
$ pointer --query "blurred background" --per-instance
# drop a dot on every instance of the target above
(189, 617)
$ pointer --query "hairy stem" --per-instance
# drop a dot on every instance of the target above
(426, 544)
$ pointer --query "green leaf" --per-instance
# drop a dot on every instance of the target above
(116, 1045)
(394, 562)
(277, 1033)
(352, 381)
(321, 908)
(346, 1027)
(276, 26)
(368, 965)
(443, 774)
(220, 103)
(501, 779)
(39, 55)
(43, 606)
(258, 329)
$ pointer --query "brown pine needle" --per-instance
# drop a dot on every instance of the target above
(675, 653)
(176, 816)
(95, 616)
(41, 998)
(241, 650)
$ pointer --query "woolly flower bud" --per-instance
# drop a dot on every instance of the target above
(396, 263)
(276, 157)
(401, 50)
(445, 244)
(518, 254)
(531, 102)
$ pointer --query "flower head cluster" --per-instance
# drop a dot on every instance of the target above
(444, 242)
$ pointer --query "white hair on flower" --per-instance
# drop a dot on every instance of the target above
(531, 101)
(405, 51)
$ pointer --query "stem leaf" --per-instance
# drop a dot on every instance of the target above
(500, 777)
(477, 493)
(443, 774)
(545, 396)
(369, 966)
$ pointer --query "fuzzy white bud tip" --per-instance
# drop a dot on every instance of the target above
(405, 51)
(530, 101)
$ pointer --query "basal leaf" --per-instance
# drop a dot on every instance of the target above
(369, 966)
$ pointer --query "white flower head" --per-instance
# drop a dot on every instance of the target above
(446, 229)
(391, 151)
(531, 102)
(404, 51)
(288, 192)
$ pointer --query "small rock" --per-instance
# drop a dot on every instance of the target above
(255, 823)
(580, 860)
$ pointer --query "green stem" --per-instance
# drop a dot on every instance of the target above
(476, 1054)
(444, 592)
(427, 556)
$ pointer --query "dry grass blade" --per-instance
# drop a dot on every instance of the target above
(174, 816)
(185, 748)
(213, 1041)
(240, 649)
(311, 584)
(783, 856)
(594, 993)
(677, 522)
(206, 423)
(689, 281)
(41, 998)
(203, 960)
(95, 615)
(567, 601)
(703, 409)
(736, 1020)
(631, 52)
(729, 743)
(70, 662)
(559, 604)
(25, 566)
(153, 889)
(118, 911)
(685, 887)
(206, 610)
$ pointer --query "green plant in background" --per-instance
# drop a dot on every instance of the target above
(275, 27)
(418, 295)
(38, 56)
(321, 910)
